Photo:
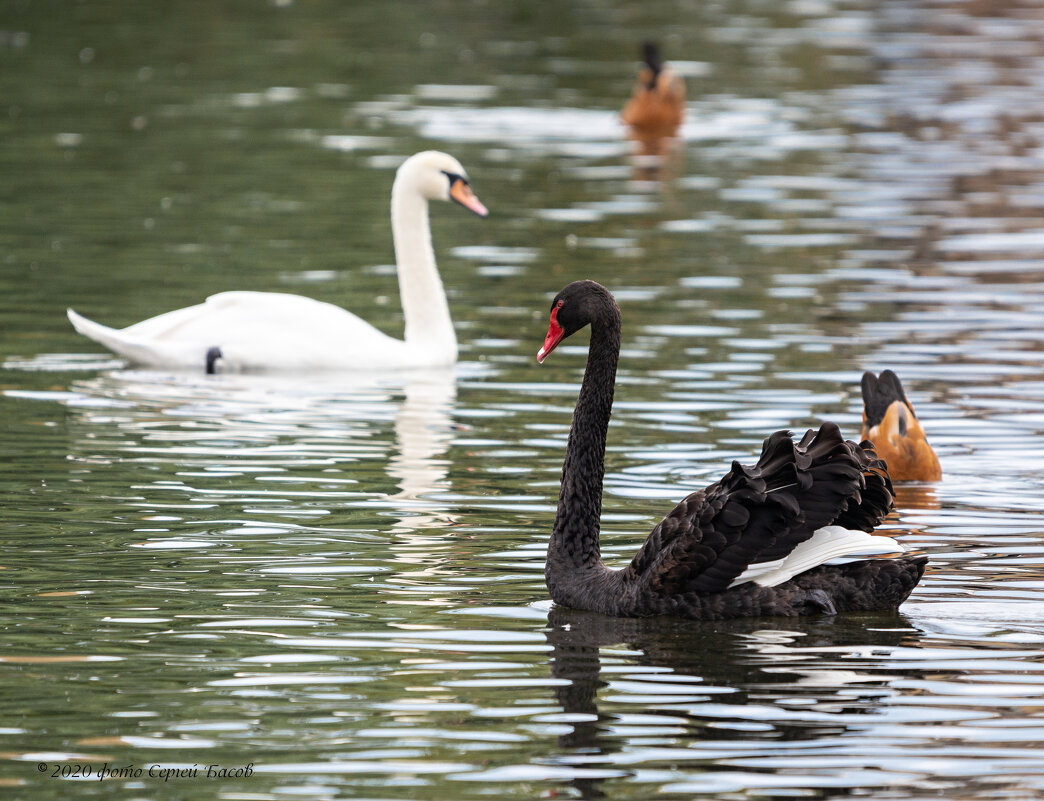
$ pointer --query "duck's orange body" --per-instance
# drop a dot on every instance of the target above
(890, 423)
(657, 106)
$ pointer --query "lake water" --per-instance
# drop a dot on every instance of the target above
(338, 580)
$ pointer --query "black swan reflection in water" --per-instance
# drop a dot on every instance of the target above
(617, 673)
(763, 540)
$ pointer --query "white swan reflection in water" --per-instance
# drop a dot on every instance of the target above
(307, 444)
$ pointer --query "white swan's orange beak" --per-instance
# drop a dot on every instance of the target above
(555, 334)
(462, 194)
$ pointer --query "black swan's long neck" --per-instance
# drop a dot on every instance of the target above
(573, 553)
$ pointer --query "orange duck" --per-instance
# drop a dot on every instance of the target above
(891, 424)
(657, 105)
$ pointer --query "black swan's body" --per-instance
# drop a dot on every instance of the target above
(754, 543)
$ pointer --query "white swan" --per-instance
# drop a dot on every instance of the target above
(273, 331)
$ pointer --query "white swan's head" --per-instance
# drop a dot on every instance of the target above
(438, 176)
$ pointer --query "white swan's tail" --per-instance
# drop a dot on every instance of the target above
(117, 341)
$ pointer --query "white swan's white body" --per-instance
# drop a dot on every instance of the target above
(272, 331)
(261, 331)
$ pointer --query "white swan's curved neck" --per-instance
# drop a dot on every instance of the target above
(428, 322)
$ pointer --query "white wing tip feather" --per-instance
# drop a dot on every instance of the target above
(826, 544)
(76, 319)
(119, 342)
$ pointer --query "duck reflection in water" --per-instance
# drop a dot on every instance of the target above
(703, 670)
(916, 497)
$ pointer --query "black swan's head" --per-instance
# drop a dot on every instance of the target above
(580, 303)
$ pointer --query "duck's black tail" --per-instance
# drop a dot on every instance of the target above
(653, 60)
(880, 392)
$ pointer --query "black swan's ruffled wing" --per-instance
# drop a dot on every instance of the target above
(760, 513)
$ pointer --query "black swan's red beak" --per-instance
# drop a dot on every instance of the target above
(555, 334)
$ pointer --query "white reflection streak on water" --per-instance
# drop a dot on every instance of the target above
(236, 425)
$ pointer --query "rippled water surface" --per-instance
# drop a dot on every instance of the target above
(338, 580)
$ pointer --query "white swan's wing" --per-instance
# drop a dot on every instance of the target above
(253, 331)
(134, 349)
(221, 314)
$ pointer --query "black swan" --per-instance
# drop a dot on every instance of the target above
(889, 421)
(760, 541)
